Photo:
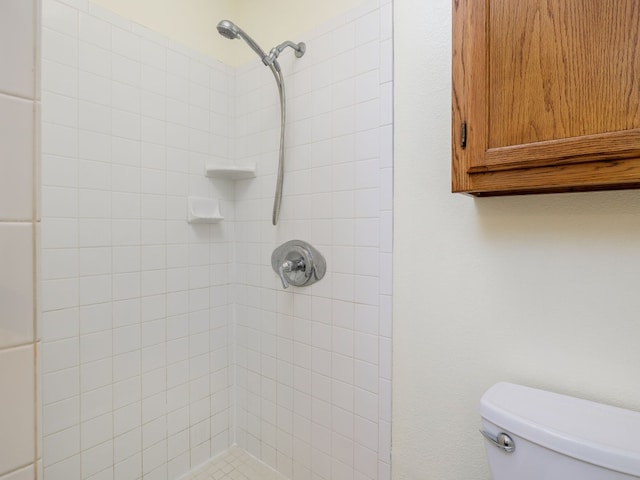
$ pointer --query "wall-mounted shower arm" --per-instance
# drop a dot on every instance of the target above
(299, 48)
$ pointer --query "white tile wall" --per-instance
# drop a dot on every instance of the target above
(18, 40)
(16, 416)
(19, 115)
(16, 142)
(136, 319)
(140, 347)
(314, 364)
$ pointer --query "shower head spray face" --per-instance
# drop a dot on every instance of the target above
(227, 29)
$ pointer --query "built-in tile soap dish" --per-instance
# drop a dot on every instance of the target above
(230, 172)
(204, 210)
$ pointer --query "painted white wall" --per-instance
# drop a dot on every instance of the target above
(289, 20)
(193, 22)
(189, 22)
(541, 290)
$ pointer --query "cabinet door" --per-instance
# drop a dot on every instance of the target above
(546, 95)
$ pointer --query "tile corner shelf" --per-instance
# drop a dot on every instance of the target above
(204, 210)
(230, 172)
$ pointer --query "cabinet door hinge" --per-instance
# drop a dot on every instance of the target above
(463, 135)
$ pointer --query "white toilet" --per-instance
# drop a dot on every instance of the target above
(536, 435)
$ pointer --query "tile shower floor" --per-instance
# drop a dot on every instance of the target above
(234, 464)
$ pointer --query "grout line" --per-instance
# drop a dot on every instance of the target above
(19, 345)
(22, 467)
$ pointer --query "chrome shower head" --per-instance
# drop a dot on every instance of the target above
(228, 29)
(231, 31)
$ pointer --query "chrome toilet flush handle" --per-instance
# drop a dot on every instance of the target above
(503, 441)
(298, 263)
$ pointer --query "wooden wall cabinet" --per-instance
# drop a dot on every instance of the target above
(546, 96)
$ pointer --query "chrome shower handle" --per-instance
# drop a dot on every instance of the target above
(290, 266)
(298, 264)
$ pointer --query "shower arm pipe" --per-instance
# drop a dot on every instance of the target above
(272, 57)
(299, 48)
(277, 199)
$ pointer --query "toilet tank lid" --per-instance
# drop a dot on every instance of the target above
(592, 432)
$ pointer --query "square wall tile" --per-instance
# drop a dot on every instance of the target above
(16, 408)
(17, 47)
(16, 157)
(60, 17)
(64, 470)
(16, 284)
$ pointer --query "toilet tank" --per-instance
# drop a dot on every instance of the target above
(557, 437)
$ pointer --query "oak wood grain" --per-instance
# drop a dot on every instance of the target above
(561, 69)
(550, 91)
